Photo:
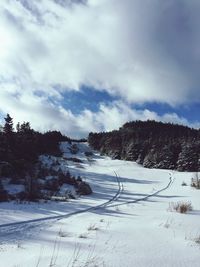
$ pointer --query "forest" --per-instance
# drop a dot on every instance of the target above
(152, 144)
(20, 148)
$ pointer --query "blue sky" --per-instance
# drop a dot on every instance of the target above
(88, 98)
(81, 66)
(188, 111)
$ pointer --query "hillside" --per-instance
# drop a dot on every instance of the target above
(31, 165)
(152, 144)
(129, 221)
(150, 216)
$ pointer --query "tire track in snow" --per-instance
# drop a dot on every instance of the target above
(10, 228)
(23, 226)
(171, 180)
(117, 195)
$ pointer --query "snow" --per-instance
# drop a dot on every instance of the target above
(140, 234)
(67, 189)
(14, 188)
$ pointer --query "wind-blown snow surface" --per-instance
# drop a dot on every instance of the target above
(144, 233)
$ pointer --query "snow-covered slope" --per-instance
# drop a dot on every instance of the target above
(135, 229)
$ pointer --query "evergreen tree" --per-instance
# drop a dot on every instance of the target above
(8, 126)
(151, 158)
(188, 158)
(24, 128)
(8, 139)
(165, 158)
(153, 144)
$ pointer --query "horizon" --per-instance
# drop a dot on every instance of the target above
(72, 138)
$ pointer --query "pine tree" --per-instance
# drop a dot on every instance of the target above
(150, 159)
(188, 158)
(8, 139)
(165, 158)
(8, 126)
(24, 128)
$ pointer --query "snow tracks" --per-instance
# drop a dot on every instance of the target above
(171, 180)
(10, 228)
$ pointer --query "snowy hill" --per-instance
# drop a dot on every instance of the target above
(129, 220)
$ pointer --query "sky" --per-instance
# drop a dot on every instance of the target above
(92, 65)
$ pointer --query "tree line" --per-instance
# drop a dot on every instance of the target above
(21, 146)
(152, 144)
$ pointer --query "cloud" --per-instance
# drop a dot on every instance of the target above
(114, 115)
(45, 115)
(139, 51)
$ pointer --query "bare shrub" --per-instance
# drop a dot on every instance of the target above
(184, 183)
(180, 206)
(84, 235)
(78, 258)
(197, 240)
(195, 182)
(88, 260)
(168, 223)
(61, 233)
(93, 227)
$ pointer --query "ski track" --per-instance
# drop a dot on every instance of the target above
(10, 228)
(6, 230)
(171, 180)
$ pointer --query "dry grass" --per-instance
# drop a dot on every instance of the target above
(184, 183)
(87, 260)
(180, 206)
(93, 227)
(197, 240)
(84, 235)
(195, 182)
(61, 233)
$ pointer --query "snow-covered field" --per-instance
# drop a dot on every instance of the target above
(132, 230)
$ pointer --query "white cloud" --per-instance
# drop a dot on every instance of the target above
(114, 115)
(138, 50)
(44, 115)
(142, 51)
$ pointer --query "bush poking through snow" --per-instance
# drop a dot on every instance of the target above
(181, 206)
(93, 227)
(197, 240)
(195, 182)
(84, 188)
(184, 183)
(85, 235)
(61, 233)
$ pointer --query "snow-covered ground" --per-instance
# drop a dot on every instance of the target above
(133, 230)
